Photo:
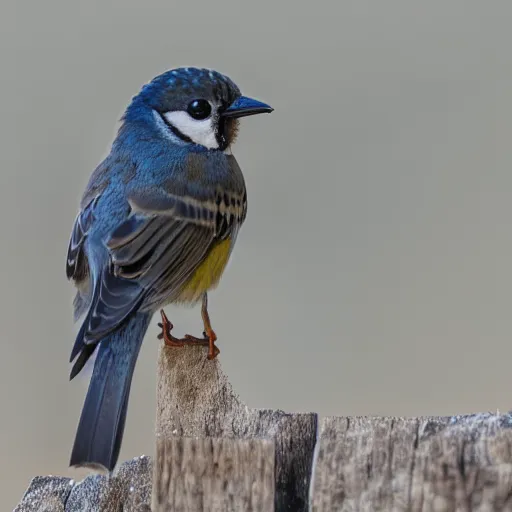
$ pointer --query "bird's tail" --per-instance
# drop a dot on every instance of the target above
(100, 431)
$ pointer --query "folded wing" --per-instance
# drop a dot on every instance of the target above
(152, 254)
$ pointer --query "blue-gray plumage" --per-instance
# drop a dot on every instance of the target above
(157, 223)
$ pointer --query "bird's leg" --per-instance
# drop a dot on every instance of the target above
(209, 333)
(209, 336)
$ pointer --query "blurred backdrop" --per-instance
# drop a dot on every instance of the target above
(373, 274)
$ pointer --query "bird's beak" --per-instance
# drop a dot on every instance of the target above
(244, 106)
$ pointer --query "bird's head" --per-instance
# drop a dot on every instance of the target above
(193, 106)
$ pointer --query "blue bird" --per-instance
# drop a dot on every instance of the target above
(157, 224)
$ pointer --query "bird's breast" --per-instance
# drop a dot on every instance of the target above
(208, 273)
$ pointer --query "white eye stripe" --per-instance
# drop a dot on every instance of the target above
(199, 131)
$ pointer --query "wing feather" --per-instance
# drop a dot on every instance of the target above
(77, 267)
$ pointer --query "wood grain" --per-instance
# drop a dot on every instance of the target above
(460, 463)
(214, 475)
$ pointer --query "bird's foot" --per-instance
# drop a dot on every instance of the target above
(208, 339)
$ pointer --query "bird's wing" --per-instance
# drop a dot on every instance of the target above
(152, 254)
(77, 267)
(167, 236)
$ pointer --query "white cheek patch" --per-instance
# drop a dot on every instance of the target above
(164, 130)
(199, 131)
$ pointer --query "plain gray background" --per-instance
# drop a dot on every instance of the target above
(373, 275)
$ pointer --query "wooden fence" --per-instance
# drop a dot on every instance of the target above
(213, 453)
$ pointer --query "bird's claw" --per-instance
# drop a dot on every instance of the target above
(213, 354)
(207, 340)
(166, 326)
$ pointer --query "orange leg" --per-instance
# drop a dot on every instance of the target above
(208, 340)
(209, 333)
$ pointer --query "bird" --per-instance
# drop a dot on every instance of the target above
(156, 225)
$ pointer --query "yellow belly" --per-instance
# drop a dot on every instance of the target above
(207, 274)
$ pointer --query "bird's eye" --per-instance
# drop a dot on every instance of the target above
(199, 109)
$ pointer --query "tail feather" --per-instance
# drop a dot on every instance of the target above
(100, 430)
(79, 343)
(85, 354)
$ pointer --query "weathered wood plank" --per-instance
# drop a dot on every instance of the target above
(213, 475)
(45, 494)
(127, 489)
(195, 399)
(462, 463)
